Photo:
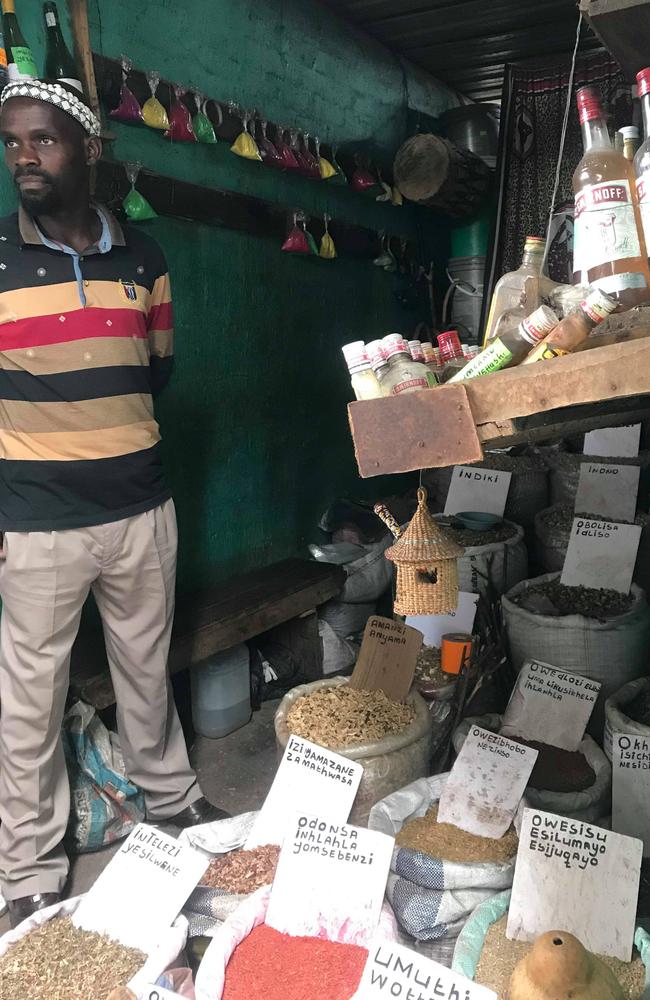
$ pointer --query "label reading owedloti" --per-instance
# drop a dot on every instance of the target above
(486, 784)
(550, 705)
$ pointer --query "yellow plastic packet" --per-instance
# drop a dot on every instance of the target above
(244, 145)
(327, 249)
(324, 165)
(153, 112)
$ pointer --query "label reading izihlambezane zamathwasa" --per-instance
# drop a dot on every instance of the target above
(492, 359)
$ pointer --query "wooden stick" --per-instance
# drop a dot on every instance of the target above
(78, 10)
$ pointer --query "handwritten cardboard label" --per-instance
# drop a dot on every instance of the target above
(601, 554)
(142, 889)
(486, 783)
(575, 877)
(631, 787)
(614, 442)
(387, 657)
(477, 489)
(550, 705)
(395, 971)
(311, 778)
(433, 627)
(608, 490)
(330, 880)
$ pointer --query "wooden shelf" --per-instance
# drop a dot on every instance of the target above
(623, 27)
(450, 424)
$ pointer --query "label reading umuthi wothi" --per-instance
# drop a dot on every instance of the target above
(393, 971)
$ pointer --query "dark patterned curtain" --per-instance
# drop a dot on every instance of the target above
(532, 112)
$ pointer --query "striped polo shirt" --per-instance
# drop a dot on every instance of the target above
(85, 344)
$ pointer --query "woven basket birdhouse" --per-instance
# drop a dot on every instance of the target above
(427, 571)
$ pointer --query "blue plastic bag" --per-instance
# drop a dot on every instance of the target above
(104, 805)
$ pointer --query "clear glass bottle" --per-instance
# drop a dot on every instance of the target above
(416, 352)
(509, 288)
(609, 248)
(404, 374)
(642, 158)
(574, 329)
(430, 358)
(509, 350)
(631, 141)
(362, 377)
(379, 364)
(451, 354)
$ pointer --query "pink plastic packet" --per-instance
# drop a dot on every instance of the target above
(128, 110)
(180, 120)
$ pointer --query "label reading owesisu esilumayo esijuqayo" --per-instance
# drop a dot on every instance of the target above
(605, 226)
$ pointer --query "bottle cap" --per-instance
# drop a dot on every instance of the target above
(538, 324)
(375, 352)
(629, 132)
(598, 306)
(415, 347)
(643, 81)
(589, 104)
(427, 350)
(394, 343)
(354, 352)
(534, 243)
(449, 346)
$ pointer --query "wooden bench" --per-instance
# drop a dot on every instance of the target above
(215, 619)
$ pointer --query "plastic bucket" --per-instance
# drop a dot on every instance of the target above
(467, 273)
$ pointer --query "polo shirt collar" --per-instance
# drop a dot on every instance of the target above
(31, 235)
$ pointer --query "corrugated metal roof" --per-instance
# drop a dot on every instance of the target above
(466, 43)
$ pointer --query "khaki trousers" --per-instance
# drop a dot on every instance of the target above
(45, 578)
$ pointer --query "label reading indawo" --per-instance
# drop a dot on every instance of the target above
(605, 226)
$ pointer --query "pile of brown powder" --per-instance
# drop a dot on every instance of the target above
(342, 716)
(558, 770)
(243, 871)
(442, 840)
(57, 961)
(499, 957)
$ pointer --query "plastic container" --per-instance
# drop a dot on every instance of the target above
(472, 238)
(475, 127)
(467, 273)
(221, 695)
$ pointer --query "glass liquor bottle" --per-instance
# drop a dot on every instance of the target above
(642, 157)
(59, 64)
(609, 250)
(21, 64)
(509, 289)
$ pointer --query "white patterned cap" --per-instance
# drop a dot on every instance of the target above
(59, 97)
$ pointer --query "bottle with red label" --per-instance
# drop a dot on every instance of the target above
(642, 156)
(609, 249)
(404, 374)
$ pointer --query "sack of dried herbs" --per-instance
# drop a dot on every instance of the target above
(608, 647)
(390, 761)
(430, 888)
(92, 960)
(484, 954)
(210, 978)
(588, 804)
(628, 711)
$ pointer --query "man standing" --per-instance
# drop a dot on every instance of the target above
(85, 343)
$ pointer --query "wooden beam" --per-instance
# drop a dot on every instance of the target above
(416, 430)
(434, 428)
(623, 26)
(78, 10)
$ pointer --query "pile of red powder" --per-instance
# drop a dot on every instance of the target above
(276, 966)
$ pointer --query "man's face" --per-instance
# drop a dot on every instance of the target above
(47, 153)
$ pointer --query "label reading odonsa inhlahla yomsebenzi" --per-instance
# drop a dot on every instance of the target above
(550, 705)
(486, 783)
(575, 877)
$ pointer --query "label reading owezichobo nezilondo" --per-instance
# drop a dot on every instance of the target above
(605, 226)
(492, 359)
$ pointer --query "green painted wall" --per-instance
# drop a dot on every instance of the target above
(255, 422)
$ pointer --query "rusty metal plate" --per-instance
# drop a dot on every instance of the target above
(417, 430)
